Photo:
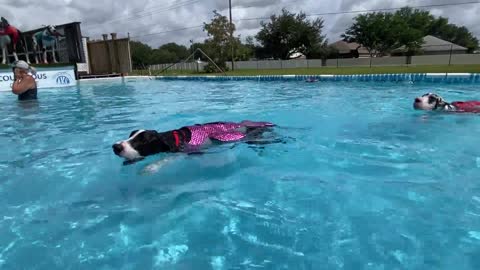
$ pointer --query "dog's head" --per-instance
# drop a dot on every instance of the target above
(3, 23)
(429, 102)
(141, 143)
(51, 29)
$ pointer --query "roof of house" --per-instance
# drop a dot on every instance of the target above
(348, 47)
(342, 46)
(433, 44)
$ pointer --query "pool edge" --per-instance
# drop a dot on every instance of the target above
(387, 77)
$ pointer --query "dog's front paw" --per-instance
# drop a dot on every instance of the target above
(150, 169)
(156, 166)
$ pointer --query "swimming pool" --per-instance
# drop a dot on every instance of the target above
(363, 182)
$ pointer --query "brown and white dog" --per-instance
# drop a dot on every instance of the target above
(434, 102)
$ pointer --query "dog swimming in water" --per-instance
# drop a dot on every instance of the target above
(188, 139)
(434, 102)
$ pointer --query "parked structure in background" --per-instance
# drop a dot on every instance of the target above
(350, 50)
(431, 46)
(109, 57)
(435, 46)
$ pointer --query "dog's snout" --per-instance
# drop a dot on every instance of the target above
(117, 148)
(417, 100)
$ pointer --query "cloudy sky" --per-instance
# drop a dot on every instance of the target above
(160, 21)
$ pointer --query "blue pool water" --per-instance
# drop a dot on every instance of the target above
(363, 182)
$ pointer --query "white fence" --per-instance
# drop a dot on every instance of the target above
(454, 59)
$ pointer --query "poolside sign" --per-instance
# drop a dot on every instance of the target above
(46, 77)
(63, 78)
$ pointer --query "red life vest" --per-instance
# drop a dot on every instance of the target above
(13, 32)
(467, 106)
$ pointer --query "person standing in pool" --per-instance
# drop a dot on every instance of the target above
(24, 85)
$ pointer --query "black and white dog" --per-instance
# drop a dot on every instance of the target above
(189, 139)
(44, 39)
(434, 102)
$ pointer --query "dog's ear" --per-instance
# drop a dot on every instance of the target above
(439, 101)
(150, 135)
(133, 132)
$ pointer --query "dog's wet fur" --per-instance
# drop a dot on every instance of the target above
(144, 143)
(431, 102)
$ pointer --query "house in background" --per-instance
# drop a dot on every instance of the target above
(350, 49)
(435, 46)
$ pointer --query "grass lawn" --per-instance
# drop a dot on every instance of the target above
(330, 70)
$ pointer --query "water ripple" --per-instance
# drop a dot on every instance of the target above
(362, 180)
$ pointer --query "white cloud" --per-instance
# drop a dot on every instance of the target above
(144, 17)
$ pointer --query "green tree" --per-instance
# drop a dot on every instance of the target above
(381, 32)
(256, 50)
(218, 44)
(181, 52)
(409, 28)
(201, 46)
(439, 27)
(161, 56)
(323, 51)
(250, 42)
(416, 19)
(141, 54)
(243, 52)
(290, 33)
(460, 35)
